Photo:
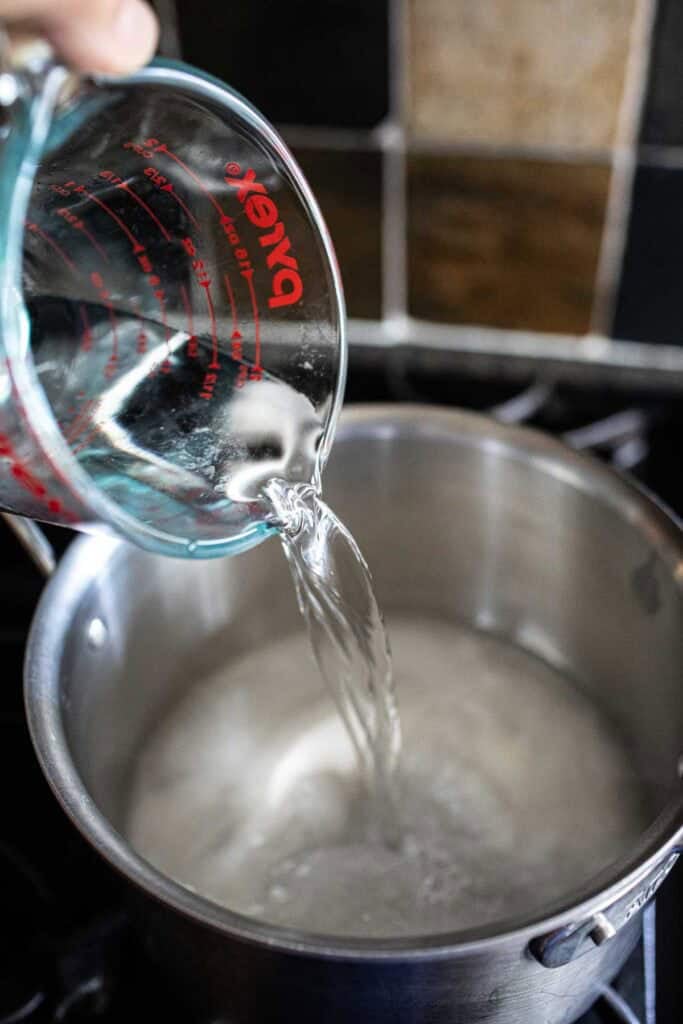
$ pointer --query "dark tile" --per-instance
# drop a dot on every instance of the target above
(301, 62)
(505, 242)
(649, 306)
(663, 111)
(669, 942)
(348, 187)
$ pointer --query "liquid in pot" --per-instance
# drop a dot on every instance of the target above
(514, 790)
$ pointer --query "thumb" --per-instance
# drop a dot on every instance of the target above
(106, 36)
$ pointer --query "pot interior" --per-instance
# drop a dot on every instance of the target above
(535, 613)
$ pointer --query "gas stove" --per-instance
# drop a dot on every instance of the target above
(68, 950)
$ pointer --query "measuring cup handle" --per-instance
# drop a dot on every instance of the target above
(34, 541)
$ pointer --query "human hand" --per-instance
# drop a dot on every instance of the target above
(106, 36)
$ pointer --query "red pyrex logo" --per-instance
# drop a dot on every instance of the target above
(262, 211)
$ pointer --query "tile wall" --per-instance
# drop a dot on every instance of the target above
(512, 164)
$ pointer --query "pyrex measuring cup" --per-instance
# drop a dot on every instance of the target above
(171, 310)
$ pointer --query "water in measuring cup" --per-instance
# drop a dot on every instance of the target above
(134, 408)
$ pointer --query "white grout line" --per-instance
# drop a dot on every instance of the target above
(394, 198)
(665, 360)
(510, 151)
(624, 162)
(381, 138)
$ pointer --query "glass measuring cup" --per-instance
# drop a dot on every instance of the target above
(171, 309)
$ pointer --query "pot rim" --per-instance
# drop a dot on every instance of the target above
(88, 557)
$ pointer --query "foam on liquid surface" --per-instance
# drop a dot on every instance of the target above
(513, 790)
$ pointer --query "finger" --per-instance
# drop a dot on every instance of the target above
(109, 37)
(105, 36)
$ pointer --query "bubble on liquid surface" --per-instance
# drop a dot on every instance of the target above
(97, 634)
(278, 893)
(500, 816)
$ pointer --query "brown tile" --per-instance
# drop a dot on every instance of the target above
(509, 243)
(348, 187)
(539, 72)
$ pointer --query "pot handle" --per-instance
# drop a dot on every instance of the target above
(562, 946)
(34, 541)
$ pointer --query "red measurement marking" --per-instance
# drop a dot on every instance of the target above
(35, 230)
(115, 217)
(241, 254)
(214, 364)
(81, 422)
(159, 296)
(236, 336)
(77, 224)
(188, 309)
(164, 185)
(93, 241)
(185, 207)
(210, 381)
(154, 281)
(114, 357)
(86, 343)
(23, 475)
(192, 345)
(160, 147)
(198, 265)
(201, 272)
(236, 349)
(205, 282)
(77, 425)
(129, 191)
(85, 442)
(103, 293)
(141, 342)
(256, 371)
(54, 504)
(261, 210)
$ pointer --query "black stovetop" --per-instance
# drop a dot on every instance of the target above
(67, 951)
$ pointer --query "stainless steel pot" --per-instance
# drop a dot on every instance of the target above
(551, 550)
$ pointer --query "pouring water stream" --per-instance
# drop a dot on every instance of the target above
(347, 636)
